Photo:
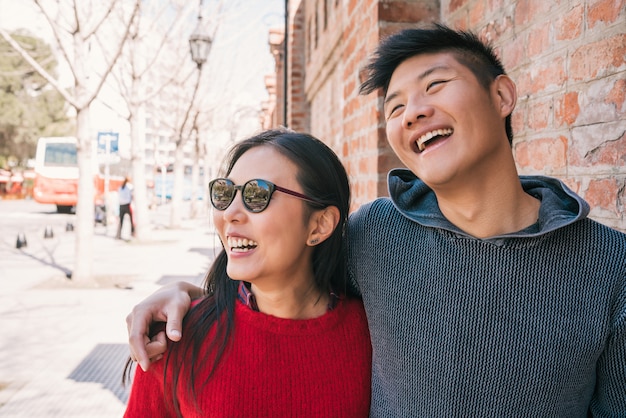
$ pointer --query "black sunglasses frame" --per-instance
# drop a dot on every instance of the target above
(269, 189)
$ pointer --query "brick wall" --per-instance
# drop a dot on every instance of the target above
(568, 60)
(566, 57)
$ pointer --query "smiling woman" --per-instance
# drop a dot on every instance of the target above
(278, 319)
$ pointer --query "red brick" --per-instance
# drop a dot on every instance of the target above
(550, 73)
(600, 146)
(538, 40)
(544, 155)
(567, 109)
(528, 10)
(460, 23)
(607, 11)
(518, 119)
(477, 13)
(514, 54)
(570, 25)
(381, 138)
(593, 59)
(383, 190)
(524, 84)
(372, 189)
(455, 4)
(407, 11)
(387, 161)
(602, 193)
(539, 115)
(617, 95)
(573, 184)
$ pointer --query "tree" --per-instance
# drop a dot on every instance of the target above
(216, 99)
(186, 127)
(152, 58)
(74, 26)
(29, 106)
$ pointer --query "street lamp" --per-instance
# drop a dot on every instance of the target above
(200, 42)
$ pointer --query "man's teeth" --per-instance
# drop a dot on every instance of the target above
(241, 244)
(422, 140)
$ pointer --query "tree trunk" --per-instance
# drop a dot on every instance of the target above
(208, 176)
(83, 260)
(141, 214)
(177, 190)
(195, 182)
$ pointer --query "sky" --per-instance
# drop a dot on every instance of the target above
(242, 39)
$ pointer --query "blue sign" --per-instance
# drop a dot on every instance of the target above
(112, 138)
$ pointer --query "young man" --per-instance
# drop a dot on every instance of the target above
(487, 293)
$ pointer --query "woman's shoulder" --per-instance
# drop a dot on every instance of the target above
(352, 309)
(352, 302)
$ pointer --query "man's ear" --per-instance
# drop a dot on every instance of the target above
(322, 224)
(505, 94)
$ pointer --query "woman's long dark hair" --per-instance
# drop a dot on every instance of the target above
(323, 178)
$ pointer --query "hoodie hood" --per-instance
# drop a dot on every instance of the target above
(560, 206)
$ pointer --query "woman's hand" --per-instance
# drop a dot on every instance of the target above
(167, 305)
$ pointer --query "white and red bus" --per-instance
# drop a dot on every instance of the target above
(56, 174)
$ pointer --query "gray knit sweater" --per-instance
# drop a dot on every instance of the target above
(527, 324)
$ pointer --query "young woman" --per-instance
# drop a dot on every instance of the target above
(278, 332)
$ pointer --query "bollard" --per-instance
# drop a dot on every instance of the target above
(69, 227)
(48, 232)
(21, 241)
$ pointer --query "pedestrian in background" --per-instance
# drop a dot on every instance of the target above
(125, 196)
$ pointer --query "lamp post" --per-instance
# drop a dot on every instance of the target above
(199, 45)
(200, 42)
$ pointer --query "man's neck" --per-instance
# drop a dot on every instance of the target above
(486, 210)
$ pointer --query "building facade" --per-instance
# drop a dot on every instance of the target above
(568, 59)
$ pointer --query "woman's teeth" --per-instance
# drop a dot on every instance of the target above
(241, 244)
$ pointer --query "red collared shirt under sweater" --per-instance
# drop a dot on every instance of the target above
(275, 367)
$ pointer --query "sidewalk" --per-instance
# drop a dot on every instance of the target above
(63, 347)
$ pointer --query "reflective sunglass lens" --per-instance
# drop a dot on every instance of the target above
(222, 193)
(256, 195)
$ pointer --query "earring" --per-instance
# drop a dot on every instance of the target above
(315, 241)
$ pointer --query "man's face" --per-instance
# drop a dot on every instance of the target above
(441, 123)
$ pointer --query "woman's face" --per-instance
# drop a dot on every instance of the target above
(270, 247)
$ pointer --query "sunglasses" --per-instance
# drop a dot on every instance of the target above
(256, 194)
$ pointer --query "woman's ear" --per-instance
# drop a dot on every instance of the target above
(322, 224)
(506, 94)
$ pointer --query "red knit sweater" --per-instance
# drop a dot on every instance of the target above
(276, 367)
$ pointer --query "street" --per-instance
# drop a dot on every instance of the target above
(26, 219)
(64, 345)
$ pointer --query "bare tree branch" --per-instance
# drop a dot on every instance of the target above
(117, 54)
(54, 26)
(167, 34)
(70, 99)
(98, 24)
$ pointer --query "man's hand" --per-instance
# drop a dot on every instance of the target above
(168, 304)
